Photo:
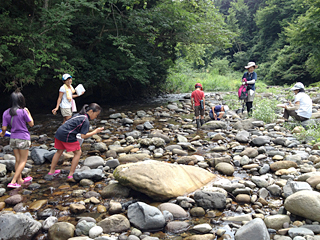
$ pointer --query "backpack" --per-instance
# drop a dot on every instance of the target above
(243, 92)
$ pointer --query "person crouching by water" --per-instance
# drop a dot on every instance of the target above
(65, 98)
(198, 104)
(250, 78)
(301, 110)
(217, 112)
(17, 116)
(66, 136)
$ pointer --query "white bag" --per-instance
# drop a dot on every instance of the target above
(80, 89)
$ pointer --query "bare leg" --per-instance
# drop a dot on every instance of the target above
(66, 118)
(55, 160)
(21, 160)
(75, 161)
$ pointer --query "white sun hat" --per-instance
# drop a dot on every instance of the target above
(226, 108)
(66, 76)
(297, 86)
(251, 64)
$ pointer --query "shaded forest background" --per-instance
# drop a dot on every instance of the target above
(126, 49)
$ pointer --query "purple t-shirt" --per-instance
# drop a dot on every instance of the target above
(19, 128)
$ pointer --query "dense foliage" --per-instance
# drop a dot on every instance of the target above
(115, 47)
(125, 48)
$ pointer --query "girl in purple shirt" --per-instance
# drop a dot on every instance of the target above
(16, 117)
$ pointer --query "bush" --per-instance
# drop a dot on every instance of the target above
(265, 110)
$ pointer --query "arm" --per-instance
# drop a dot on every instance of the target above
(90, 134)
(31, 123)
(58, 103)
(251, 81)
(296, 106)
(192, 103)
(4, 129)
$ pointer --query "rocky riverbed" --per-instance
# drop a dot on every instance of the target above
(151, 174)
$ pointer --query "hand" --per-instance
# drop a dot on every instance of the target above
(2, 133)
(99, 129)
(54, 111)
(243, 83)
(27, 110)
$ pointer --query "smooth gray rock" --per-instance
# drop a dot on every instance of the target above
(94, 174)
(17, 226)
(210, 200)
(93, 162)
(37, 155)
(255, 229)
(145, 217)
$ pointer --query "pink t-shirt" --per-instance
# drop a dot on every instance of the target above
(19, 128)
(197, 95)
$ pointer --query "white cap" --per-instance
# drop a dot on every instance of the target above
(226, 108)
(297, 86)
(66, 76)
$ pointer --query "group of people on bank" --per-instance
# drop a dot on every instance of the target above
(300, 109)
(17, 116)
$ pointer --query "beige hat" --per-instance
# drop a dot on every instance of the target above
(251, 64)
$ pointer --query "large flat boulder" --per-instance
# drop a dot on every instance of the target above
(160, 180)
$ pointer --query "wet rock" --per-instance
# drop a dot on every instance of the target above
(210, 200)
(3, 170)
(304, 203)
(179, 152)
(242, 137)
(94, 174)
(250, 152)
(37, 204)
(201, 237)
(13, 200)
(133, 157)
(49, 222)
(202, 228)
(276, 221)
(115, 190)
(34, 186)
(95, 231)
(225, 168)
(115, 223)
(18, 226)
(197, 212)
(115, 207)
(46, 213)
(260, 141)
(77, 208)
(302, 232)
(83, 228)
(91, 194)
(37, 155)
(10, 164)
(86, 182)
(61, 231)
(255, 229)
(112, 163)
(182, 179)
(177, 227)
(100, 146)
(93, 162)
(145, 217)
(212, 125)
(177, 211)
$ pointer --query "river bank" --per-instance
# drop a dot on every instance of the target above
(152, 175)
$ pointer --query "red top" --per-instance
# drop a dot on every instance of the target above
(197, 95)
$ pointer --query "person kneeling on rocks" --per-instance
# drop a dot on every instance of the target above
(198, 103)
(301, 110)
(217, 112)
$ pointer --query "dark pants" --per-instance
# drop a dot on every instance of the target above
(293, 114)
(249, 107)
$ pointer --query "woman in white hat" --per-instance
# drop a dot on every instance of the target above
(249, 78)
(65, 99)
(301, 109)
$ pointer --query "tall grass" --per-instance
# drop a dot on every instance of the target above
(265, 109)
